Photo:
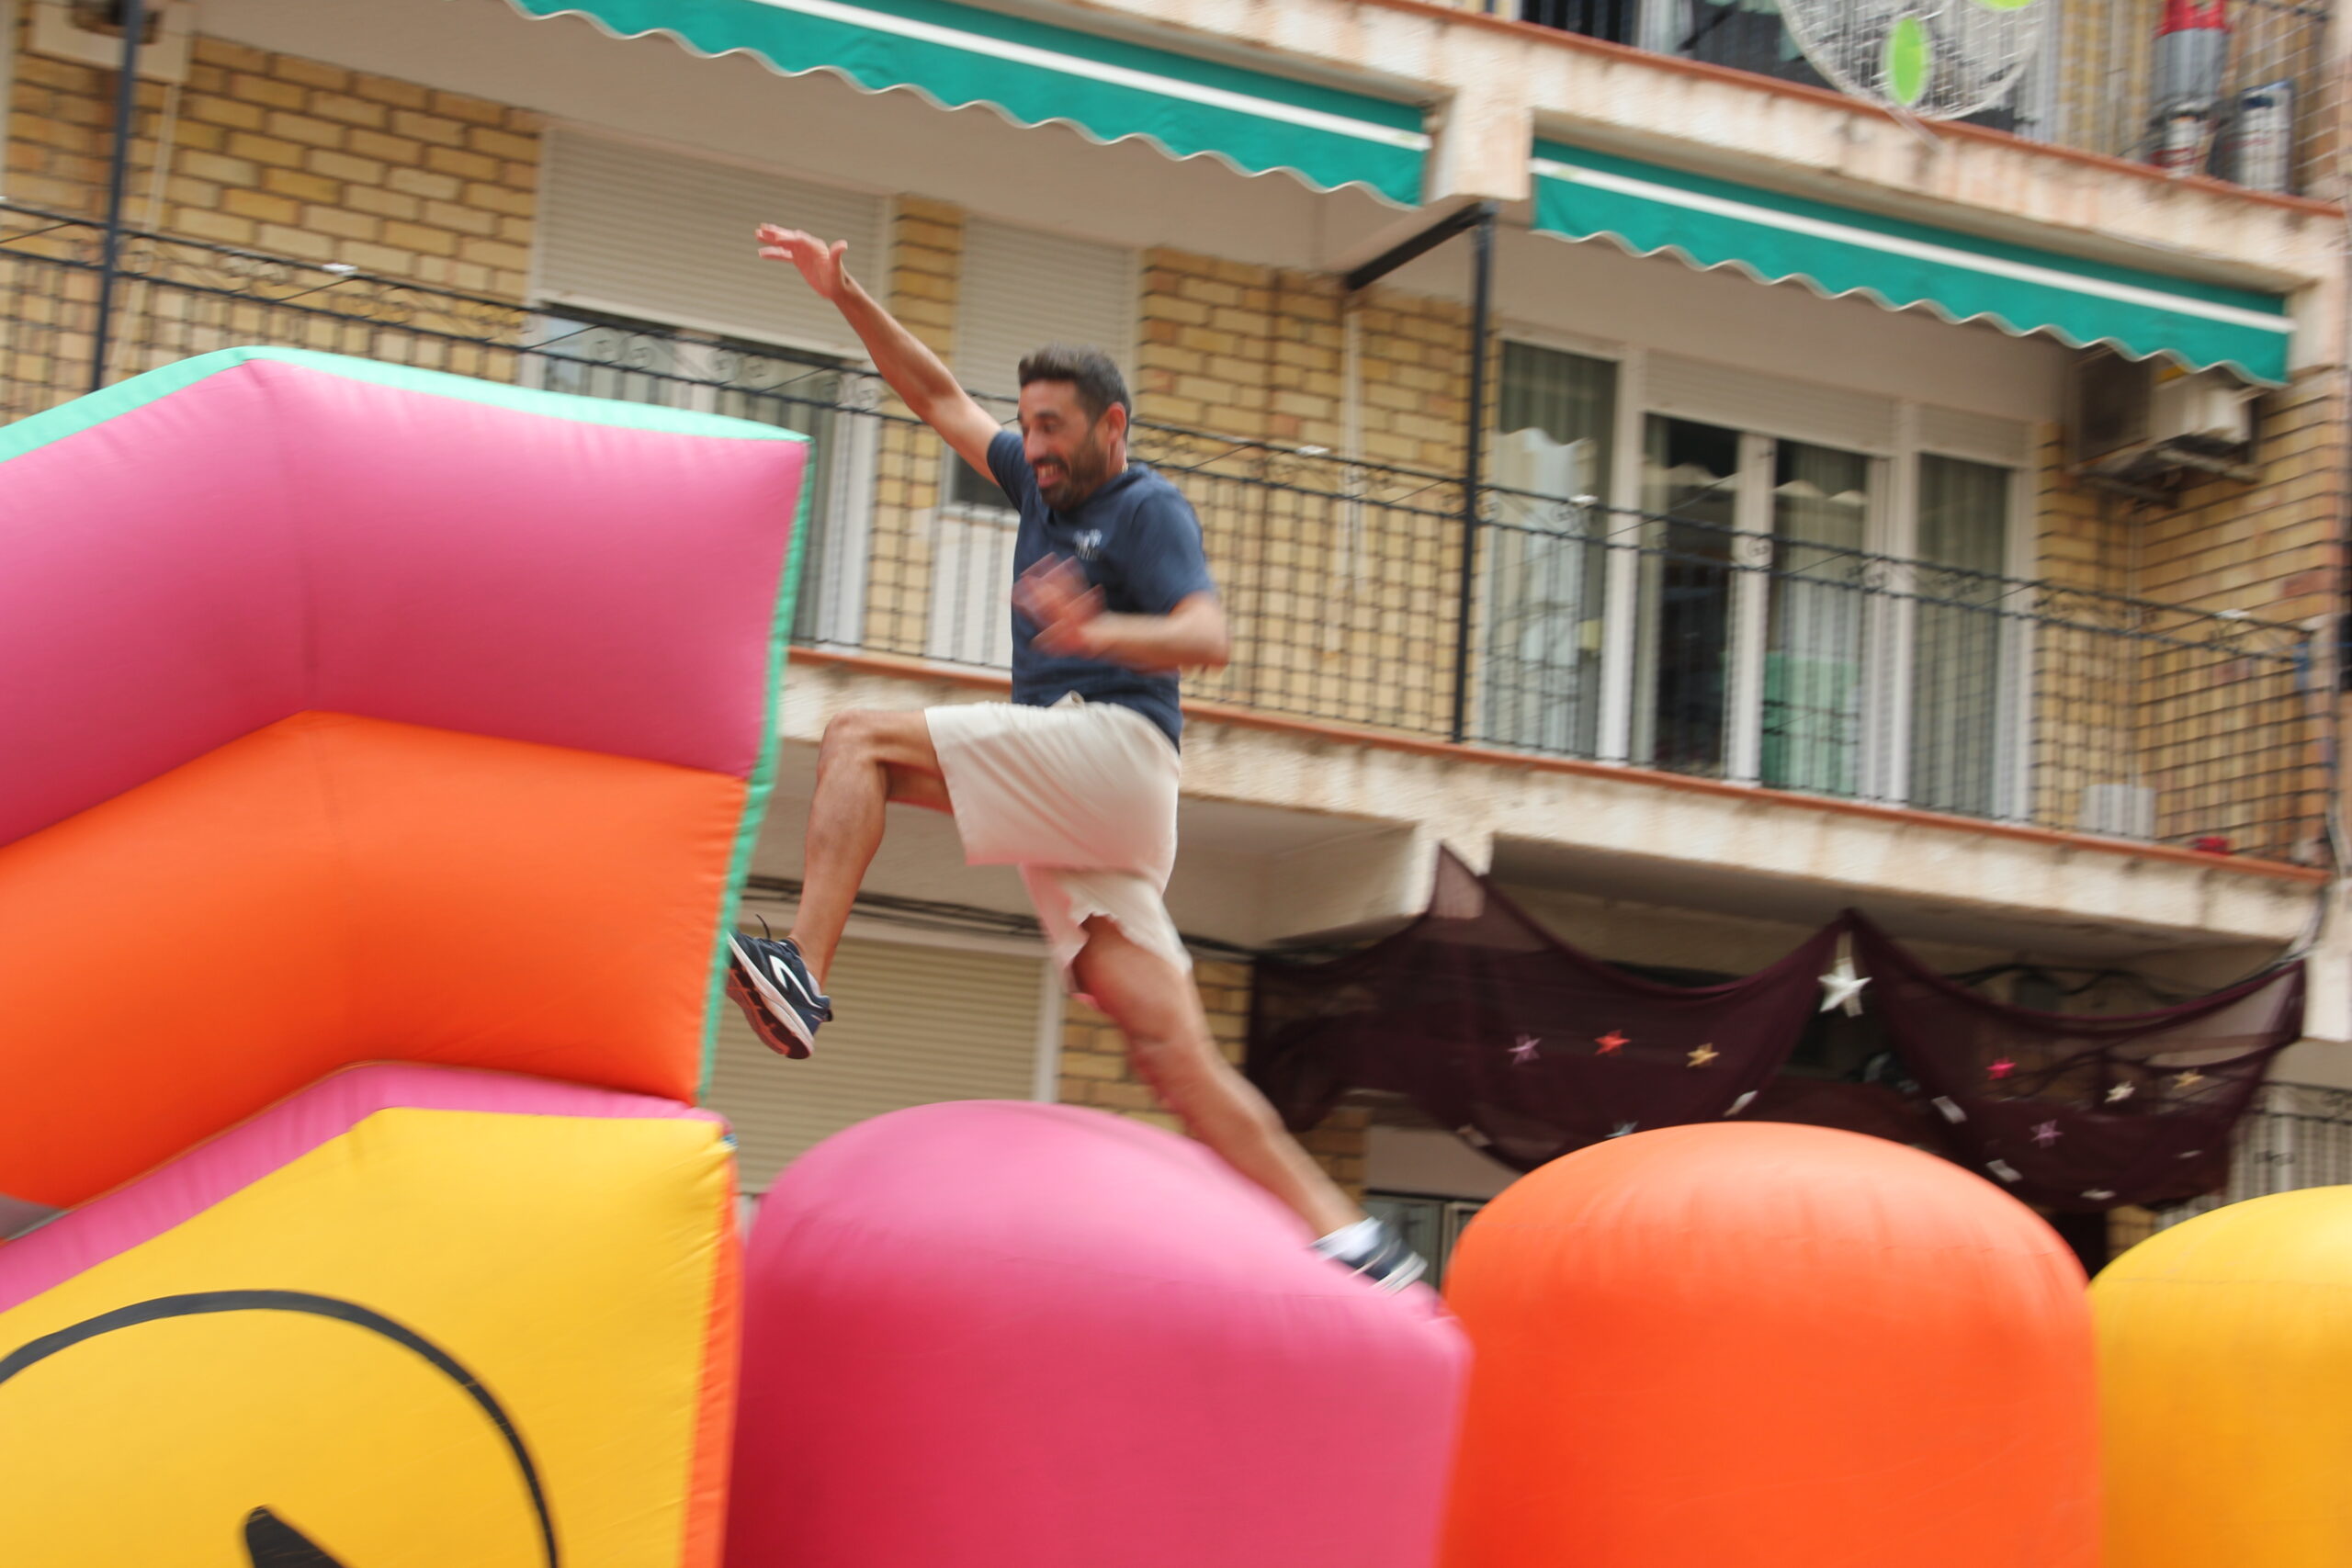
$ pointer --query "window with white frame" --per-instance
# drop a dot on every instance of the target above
(1545, 567)
(1810, 598)
(1019, 290)
(649, 289)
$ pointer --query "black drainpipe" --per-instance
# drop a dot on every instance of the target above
(133, 14)
(1482, 279)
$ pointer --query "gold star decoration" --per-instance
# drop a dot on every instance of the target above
(2189, 1079)
(1704, 1055)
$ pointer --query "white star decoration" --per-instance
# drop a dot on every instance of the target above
(1622, 1128)
(2119, 1094)
(1841, 988)
(1524, 1051)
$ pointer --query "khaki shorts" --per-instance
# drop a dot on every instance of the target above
(1081, 796)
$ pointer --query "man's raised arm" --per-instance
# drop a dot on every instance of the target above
(912, 371)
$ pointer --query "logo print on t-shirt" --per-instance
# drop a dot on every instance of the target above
(1089, 544)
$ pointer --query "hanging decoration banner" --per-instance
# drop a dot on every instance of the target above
(1529, 1049)
(1034, 72)
(1648, 208)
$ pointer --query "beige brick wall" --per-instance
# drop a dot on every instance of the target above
(296, 158)
(1338, 610)
(2182, 712)
(919, 285)
(1095, 1071)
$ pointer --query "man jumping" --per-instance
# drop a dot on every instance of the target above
(1074, 781)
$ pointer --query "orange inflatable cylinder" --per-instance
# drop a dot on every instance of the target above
(1774, 1346)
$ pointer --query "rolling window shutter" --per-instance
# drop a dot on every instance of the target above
(1021, 289)
(1746, 400)
(665, 238)
(914, 1025)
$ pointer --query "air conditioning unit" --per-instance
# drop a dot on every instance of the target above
(2143, 421)
(89, 32)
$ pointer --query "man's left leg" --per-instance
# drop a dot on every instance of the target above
(1154, 1004)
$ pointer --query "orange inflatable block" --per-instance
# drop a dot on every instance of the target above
(1771, 1346)
(323, 892)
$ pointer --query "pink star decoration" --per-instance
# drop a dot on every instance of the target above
(2045, 1133)
(1612, 1043)
(2001, 1069)
(1524, 1051)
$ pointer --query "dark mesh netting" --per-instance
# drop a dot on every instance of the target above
(1521, 1043)
(2080, 1113)
(1530, 1049)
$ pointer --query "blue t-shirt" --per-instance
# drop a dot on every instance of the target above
(1135, 539)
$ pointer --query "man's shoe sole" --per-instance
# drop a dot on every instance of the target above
(778, 1027)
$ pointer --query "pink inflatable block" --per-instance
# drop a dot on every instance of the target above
(997, 1335)
(212, 547)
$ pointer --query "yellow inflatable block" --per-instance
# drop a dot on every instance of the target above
(410, 1318)
(2225, 1349)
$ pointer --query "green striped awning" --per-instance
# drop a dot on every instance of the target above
(1648, 207)
(1035, 73)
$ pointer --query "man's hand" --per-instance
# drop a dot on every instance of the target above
(1070, 620)
(912, 369)
(1066, 611)
(819, 262)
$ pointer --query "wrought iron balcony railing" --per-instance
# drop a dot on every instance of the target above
(1666, 640)
(2297, 1136)
(2244, 92)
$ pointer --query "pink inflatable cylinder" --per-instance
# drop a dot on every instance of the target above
(1011, 1336)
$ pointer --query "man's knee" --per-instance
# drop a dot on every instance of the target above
(859, 736)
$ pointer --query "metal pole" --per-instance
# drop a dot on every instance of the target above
(126, 122)
(1482, 278)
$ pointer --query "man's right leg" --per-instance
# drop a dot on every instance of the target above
(866, 761)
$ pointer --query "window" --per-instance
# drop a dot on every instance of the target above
(639, 362)
(1746, 35)
(1766, 617)
(1690, 492)
(1618, 21)
(1816, 613)
(1430, 1227)
(1748, 673)
(649, 291)
(1020, 290)
(1965, 653)
(1546, 566)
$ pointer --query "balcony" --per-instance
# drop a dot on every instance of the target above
(2249, 103)
(1687, 640)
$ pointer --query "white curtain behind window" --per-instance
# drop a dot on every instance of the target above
(1813, 670)
(1543, 565)
(1963, 661)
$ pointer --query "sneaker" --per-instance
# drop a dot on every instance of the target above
(769, 982)
(1374, 1253)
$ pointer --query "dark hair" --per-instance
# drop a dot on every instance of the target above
(1091, 370)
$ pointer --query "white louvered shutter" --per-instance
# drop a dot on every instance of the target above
(912, 1025)
(1021, 289)
(662, 237)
